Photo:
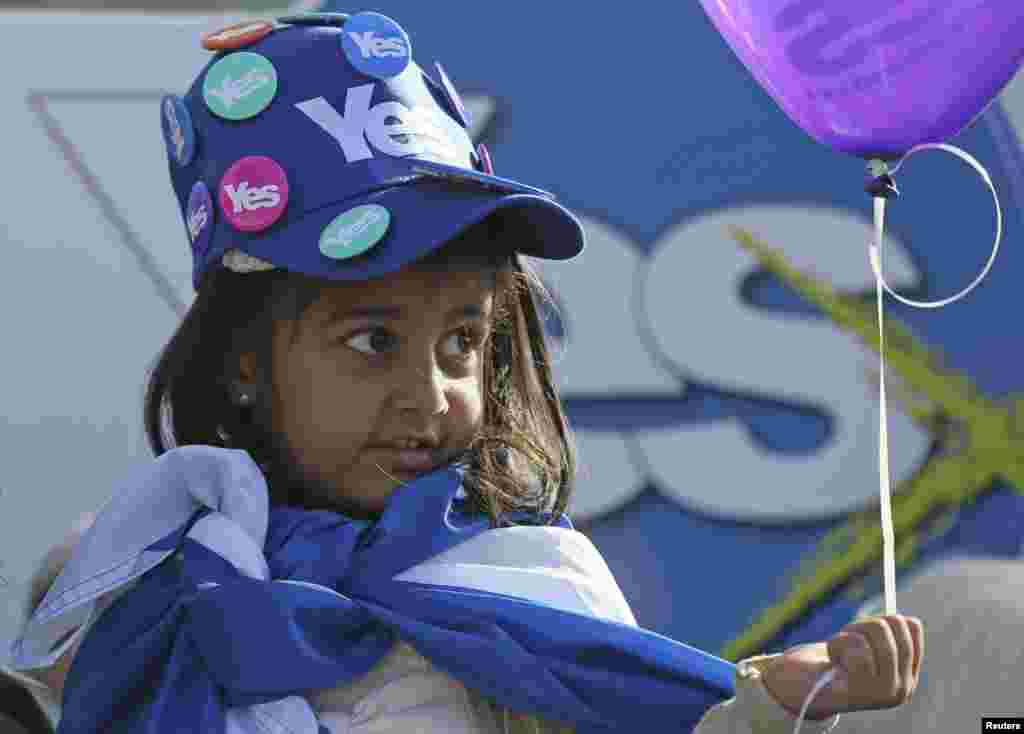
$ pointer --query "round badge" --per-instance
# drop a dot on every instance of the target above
(253, 193)
(376, 45)
(454, 100)
(355, 231)
(199, 219)
(237, 36)
(179, 135)
(314, 19)
(486, 166)
(240, 86)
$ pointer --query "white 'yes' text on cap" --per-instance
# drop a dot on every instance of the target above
(245, 199)
(414, 133)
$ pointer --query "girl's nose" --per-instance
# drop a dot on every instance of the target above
(425, 390)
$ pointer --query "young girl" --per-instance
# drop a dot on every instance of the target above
(355, 522)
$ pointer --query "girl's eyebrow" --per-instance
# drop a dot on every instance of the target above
(396, 312)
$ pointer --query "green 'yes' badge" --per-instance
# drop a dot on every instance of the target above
(240, 86)
(355, 231)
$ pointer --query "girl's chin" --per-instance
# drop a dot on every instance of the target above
(366, 496)
(376, 492)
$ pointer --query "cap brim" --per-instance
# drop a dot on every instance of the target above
(425, 214)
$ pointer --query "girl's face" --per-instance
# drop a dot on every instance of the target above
(371, 364)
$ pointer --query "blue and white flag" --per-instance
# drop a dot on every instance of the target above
(237, 607)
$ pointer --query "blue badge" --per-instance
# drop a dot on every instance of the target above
(199, 219)
(454, 100)
(179, 135)
(376, 45)
(314, 19)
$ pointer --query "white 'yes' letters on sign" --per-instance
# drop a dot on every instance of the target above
(689, 303)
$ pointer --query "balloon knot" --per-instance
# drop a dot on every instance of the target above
(883, 186)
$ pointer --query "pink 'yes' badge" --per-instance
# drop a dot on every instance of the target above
(254, 193)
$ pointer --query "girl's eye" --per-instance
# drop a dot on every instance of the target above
(375, 341)
(465, 340)
(372, 341)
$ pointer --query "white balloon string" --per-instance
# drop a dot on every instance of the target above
(970, 160)
(884, 483)
(881, 287)
(822, 681)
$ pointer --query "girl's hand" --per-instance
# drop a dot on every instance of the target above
(877, 661)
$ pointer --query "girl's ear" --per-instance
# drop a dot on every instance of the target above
(246, 384)
(248, 369)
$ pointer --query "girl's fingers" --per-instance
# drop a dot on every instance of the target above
(880, 660)
(904, 651)
(884, 651)
(852, 653)
(917, 635)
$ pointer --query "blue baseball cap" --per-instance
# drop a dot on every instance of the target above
(322, 148)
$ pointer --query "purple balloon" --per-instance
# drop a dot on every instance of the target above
(874, 78)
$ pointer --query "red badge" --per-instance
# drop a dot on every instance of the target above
(237, 36)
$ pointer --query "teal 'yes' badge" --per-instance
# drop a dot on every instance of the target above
(240, 86)
(355, 231)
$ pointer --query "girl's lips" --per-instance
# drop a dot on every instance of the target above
(412, 461)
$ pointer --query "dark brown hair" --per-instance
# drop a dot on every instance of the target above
(523, 457)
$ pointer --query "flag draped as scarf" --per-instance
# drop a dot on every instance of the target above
(308, 600)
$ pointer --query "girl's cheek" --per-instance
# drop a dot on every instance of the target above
(468, 404)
